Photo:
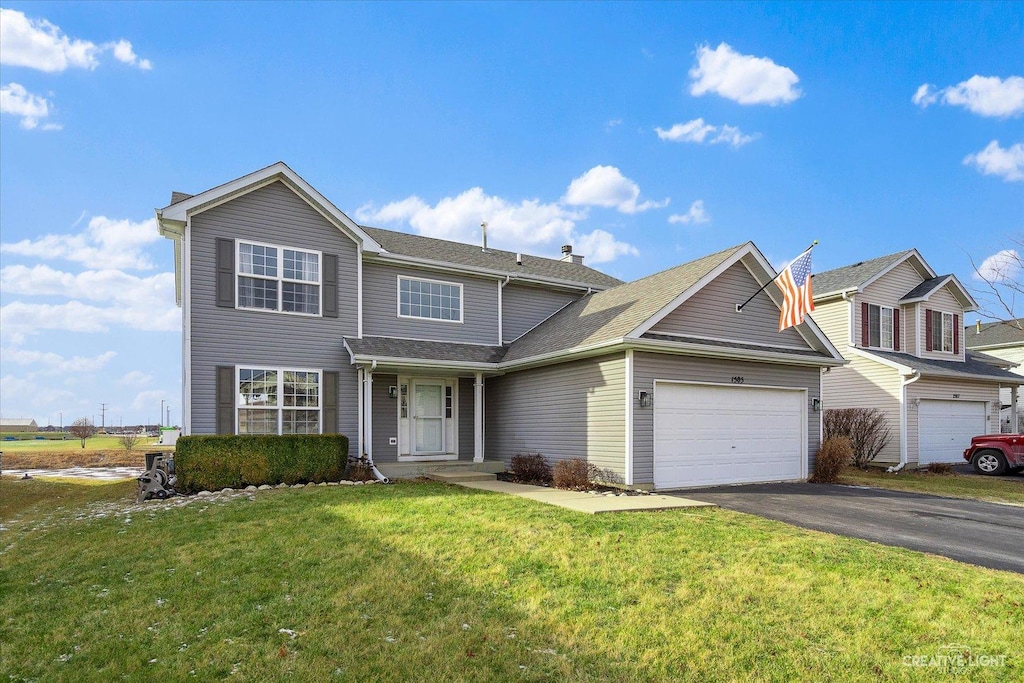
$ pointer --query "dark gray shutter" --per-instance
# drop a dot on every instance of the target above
(225, 399)
(865, 326)
(330, 286)
(895, 329)
(956, 333)
(927, 329)
(330, 408)
(225, 273)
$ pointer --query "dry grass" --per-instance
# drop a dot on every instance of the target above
(1009, 489)
(53, 460)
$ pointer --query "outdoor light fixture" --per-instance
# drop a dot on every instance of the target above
(392, 392)
(816, 405)
(646, 399)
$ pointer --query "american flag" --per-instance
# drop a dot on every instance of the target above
(797, 298)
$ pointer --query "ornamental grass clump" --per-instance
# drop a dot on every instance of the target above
(835, 454)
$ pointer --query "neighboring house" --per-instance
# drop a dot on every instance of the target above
(1005, 340)
(900, 326)
(18, 424)
(427, 352)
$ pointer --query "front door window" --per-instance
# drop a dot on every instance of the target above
(428, 418)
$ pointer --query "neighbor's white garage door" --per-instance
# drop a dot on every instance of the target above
(705, 435)
(945, 429)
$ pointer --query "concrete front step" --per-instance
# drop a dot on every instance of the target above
(460, 477)
(411, 470)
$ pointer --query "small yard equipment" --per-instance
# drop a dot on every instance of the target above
(158, 480)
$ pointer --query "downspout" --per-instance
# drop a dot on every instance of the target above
(904, 383)
(367, 382)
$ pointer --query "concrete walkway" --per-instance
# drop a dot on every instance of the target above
(95, 473)
(582, 501)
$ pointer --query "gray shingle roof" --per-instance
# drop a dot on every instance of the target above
(462, 254)
(995, 334)
(391, 347)
(180, 197)
(847, 277)
(737, 345)
(926, 287)
(974, 367)
(613, 313)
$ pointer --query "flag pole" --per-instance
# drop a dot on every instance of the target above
(739, 307)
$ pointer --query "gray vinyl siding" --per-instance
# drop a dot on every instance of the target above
(523, 308)
(385, 418)
(225, 336)
(466, 431)
(711, 312)
(570, 410)
(380, 307)
(648, 367)
(865, 383)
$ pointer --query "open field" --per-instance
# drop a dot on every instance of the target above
(423, 581)
(99, 451)
(993, 489)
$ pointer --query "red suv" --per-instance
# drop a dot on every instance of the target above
(996, 453)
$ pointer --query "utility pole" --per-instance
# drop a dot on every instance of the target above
(103, 416)
(161, 420)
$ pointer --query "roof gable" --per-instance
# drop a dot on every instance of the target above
(925, 290)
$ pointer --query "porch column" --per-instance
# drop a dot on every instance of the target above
(478, 418)
(368, 414)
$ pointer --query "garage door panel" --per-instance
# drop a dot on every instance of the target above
(706, 435)
(945, 429)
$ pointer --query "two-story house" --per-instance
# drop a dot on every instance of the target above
(428, 352)
(900, 326)
(1003, 339)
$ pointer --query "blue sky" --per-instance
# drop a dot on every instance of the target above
(645, 134)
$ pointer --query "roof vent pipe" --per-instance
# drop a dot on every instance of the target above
(519, 259)
(977, 326)
(483, 228)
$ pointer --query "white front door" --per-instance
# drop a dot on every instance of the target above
(945, 429)
(428, 418)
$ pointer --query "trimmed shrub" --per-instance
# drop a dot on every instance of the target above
(835, 454)
(530, 468)
(235, 461)
(574, 475)
(940, 468)
(866, 428)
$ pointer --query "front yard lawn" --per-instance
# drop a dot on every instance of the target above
(423, 581)
(993, 489)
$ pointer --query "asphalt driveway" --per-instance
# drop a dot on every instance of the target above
(985, 534)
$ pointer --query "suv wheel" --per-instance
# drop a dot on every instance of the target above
(989, 462)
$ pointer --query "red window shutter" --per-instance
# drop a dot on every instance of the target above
(865, 327)
(895, 329)
(956, 333)
(928, 329)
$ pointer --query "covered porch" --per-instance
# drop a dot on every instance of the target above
(421, 404)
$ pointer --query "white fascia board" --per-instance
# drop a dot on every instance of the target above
(970, 304)
(907, 370)
(747, 248)
(898, 367)
(835, 294)
(913, 252)
(253, 181)
(420, 363)
(688, 349)
(447, 267)
(959, 292)
(925, 297)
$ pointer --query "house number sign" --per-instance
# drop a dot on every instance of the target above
(737, 380)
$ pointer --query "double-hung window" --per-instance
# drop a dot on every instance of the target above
(272, 278)
(880, 327)
(278, 401)
(942, 331)
(430, 299)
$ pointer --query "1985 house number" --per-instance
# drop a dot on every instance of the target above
(737, 380)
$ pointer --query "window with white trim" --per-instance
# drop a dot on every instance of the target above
(278, 401)
(942, 331)
(430, 299)
(272, 278)
(879, 326)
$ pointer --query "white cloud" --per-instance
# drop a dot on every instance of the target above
(38, 44)
(696, 214)
(1002, 266)
(511, 225)
(698, 131)
(49, 363)
(150, 400)
(1006, 163)
(17, 101)
(105, 243)
(612, 123)
(19, 320)
(28, 396)
(136, 378)
(606, 186)
(742, 78)
(981, 95)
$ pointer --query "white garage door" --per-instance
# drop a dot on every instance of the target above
(945, 429)
(705, 435)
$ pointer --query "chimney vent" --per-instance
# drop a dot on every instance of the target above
(569, 257)
(566, 249)
(483, 227)
(519, 259)
(977, 328)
